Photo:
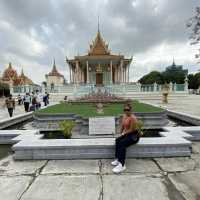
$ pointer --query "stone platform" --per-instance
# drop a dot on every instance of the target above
(30, 145)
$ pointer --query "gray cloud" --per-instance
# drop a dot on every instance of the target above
(34, 32)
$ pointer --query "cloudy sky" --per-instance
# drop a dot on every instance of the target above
(33, 32)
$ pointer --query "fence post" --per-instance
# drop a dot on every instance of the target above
(175, 87)
(186, 84)
(170, 86)
(155, 87)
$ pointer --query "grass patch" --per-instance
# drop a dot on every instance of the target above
(89, 110)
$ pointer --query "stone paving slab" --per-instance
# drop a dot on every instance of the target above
(176, 164)
(71, 166)
(188, 184)
(132, 166)
(196, 147)
(10, 167)
(133, 187)
(64, 188)
(11, 188)
(196, 158)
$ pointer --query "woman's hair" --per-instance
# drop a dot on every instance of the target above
(128, 105)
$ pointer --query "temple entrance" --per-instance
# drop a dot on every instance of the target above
(99, 79)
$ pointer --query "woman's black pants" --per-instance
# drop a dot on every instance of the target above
(26, 106)
(10, 111)
(122, 142)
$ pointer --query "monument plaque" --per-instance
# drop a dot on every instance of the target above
(102, 126)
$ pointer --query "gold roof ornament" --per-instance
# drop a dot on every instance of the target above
(98, 46)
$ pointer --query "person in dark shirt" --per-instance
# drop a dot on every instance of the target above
(10, 104)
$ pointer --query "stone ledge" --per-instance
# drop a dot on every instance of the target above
(14, 120)
(99, 148)
(192, 119)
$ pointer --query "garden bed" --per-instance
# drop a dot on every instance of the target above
(89, 110)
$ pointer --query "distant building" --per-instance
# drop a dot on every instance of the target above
(54, 78)
(99, 66)
(176, 68)
(17, 83)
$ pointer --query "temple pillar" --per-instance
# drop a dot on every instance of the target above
(115, 74)
(128, 72)
(125, 74)
(87, 65)
(74, 76)
(111, 74)
(121, 71)
(82, 76)
(118, 74)
(77, 70)
(70, 76)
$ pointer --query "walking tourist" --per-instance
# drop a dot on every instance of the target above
(46, 99)
(38, 100)
(27, 101)
(10, 104)
(129, 136)
(19, 98)
(34, 104)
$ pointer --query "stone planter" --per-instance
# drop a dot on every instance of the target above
(152, 120)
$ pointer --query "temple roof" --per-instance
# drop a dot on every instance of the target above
(54, 71)
(99, 52)
(98, 46)
(23, 80)
(9, 73)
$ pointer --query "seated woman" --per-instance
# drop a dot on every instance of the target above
(129, 136)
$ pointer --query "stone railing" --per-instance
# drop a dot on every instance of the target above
(121, 89)
(173, 87)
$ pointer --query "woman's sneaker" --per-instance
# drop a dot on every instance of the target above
(119, 168)
(115, 162)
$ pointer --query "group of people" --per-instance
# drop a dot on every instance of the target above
(31, 101)
(129, 133)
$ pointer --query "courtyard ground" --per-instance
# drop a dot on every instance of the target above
(189, 104)
(144, 179)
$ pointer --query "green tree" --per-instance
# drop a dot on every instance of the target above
(194, 81)
(175, 74)
(4, 89)
(151, 78)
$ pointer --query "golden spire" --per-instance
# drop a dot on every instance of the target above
(98, 46)
(10, 65)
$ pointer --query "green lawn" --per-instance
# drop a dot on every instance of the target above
(89, 110)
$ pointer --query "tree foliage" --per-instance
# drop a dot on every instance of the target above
(152, 77)
(4, 89)
(194, 25)
(194, 81)
(172, 73)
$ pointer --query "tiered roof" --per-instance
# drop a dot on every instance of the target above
(98, 50)
(54, 71)
(99, 46)
(10, 75)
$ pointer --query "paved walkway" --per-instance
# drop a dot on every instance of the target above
(19, 109)
(189, 104)
(144, 179)
(4, 112)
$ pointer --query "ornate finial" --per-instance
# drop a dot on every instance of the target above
(98, 24)
(173, 64)
(54, 62)
(10, 65)
(22, 72)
